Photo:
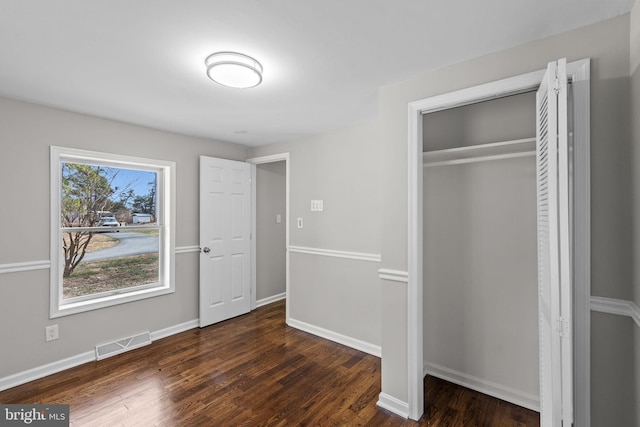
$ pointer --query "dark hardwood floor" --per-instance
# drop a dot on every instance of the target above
(251, 370)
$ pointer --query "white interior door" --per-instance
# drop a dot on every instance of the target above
(225, 239)
(554, 257)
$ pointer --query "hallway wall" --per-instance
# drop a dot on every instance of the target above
(270, 235)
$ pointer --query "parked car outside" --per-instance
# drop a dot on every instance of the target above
(109, 221)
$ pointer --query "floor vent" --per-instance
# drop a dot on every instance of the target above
(120, 346)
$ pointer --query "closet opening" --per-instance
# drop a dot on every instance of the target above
(563, 114)
(480, 285)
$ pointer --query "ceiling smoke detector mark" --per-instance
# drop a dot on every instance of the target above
(240, 132)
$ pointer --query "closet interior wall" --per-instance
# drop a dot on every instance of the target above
(480, 250)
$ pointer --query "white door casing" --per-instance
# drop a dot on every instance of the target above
(554, 257)
(225, 239)
(279, 157)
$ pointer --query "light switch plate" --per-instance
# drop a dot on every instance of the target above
(317, 205)
(299, 222)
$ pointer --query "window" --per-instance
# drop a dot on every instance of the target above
(112, 229)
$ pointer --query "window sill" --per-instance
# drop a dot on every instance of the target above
(62, 310)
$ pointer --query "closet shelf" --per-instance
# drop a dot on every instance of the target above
(478, 153)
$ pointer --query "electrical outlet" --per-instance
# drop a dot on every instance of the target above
(51, 332)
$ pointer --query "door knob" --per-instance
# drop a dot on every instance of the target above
(206, 250)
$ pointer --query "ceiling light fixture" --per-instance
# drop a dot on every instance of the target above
(234, 69)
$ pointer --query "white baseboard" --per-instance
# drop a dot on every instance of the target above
(44, 370)
(175, 329)
(394, 405)
(509, 394)
(269, 300)
(73, 361)
(374, 350)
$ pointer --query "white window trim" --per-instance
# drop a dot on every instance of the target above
(166, 206)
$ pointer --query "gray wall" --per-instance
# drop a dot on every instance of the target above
(26, 132)
(340, 168)
(270, 236)
(480, 252)
(634, 61)
(607, 43)
(498, 120)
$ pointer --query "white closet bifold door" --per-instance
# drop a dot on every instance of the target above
(554, 262)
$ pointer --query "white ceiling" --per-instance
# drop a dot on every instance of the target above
(142, 61)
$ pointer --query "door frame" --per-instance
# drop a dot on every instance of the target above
(273, 158)
(577, 71)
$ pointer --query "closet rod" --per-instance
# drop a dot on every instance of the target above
(480, 153)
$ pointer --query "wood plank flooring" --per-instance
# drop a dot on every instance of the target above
(250, 371)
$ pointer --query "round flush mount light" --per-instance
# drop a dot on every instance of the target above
(234, 69)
